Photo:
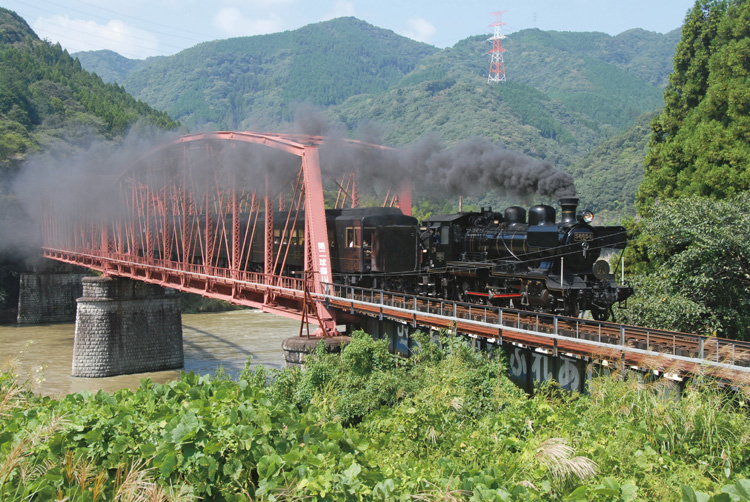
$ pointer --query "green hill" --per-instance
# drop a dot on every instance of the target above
(111, 66)
(608, 177)
(49, 104)
(47, 100)
(566, 92)
(253, 82)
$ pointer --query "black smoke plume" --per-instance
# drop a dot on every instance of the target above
(83, 183)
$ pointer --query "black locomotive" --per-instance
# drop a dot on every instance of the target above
(519, 259)
(527, 261)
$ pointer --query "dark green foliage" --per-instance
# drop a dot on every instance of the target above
(364, 378)
(360, 75)
(109, 65)
(45, 95)
(616, 97)
(699, 144)
(608, 177)
(691, 252)
(47, 101)
(252, 81)
(527, 103)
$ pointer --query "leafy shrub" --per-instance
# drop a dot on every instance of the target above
(444, 425)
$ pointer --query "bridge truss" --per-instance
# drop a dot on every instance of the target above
(238, 216)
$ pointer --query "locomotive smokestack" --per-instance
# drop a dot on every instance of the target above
(568, 206)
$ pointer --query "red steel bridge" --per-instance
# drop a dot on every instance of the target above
(190, 214)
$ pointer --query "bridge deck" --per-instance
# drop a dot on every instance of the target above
(660, 350)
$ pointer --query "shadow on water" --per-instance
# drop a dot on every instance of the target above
(206, 354)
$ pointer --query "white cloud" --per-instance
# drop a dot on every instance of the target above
(260, 4)
(341, 8)
(80, 35)
(420, 29)
(233, 23)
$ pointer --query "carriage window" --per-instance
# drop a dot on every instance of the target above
(367, 238)
(353, 237)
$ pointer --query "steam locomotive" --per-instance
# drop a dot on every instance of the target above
(525, 262)
(517, 259)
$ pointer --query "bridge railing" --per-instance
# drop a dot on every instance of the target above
(600, 333)
(92, 257)
(279, 281)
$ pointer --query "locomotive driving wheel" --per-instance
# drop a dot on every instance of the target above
(600, 314)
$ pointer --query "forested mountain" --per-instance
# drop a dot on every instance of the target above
(111, 66)
(608, 177)
(46, 99)
(252, 82)
(557, 104)
(567, 87)
(565, 92)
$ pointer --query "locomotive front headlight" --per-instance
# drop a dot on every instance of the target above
(585, 216)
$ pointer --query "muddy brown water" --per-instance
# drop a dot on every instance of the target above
(42, 354)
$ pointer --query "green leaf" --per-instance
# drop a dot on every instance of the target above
(233, 469)
(147, 450)
(186, 429)
(580, 494)
(167, 465)
(269, 465)
(690, 495)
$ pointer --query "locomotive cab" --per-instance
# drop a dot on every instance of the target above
(443, 238)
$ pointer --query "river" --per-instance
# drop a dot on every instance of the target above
(42, 354)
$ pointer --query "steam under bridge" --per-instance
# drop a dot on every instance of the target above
(222, 214)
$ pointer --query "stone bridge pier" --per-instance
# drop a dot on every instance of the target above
(48, 291)
(125, 326)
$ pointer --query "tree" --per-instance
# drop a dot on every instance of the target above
(699, 258)
(699, 144)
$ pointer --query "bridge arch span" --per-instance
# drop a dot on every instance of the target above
(202, 214)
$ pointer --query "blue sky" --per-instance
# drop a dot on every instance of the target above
(141, 28)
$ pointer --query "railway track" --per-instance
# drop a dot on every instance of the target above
(653, 349)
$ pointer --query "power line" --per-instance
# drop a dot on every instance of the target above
(201, 35)
(97, 34)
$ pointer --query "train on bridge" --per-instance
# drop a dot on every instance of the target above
(518, 259)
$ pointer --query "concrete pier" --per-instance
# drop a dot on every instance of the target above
(297, 347)
(125, 326)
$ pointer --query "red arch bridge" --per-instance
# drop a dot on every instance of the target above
(240, 216)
